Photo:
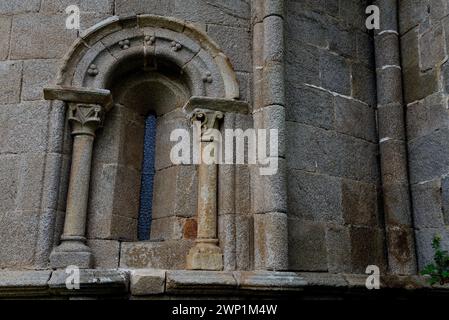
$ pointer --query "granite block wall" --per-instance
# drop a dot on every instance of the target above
(335, 220)
(424, 47)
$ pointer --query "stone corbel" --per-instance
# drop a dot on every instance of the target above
(206, 254)
(86, 109)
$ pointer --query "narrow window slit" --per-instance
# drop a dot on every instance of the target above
(148, 172)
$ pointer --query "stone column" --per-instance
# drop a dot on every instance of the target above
(85, 112)
(84, 119)
(269, 200)
(392, 143)
(206, 254)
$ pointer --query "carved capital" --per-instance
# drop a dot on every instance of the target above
(209, 119)
(85, 118)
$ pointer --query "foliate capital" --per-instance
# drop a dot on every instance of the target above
(85, 118)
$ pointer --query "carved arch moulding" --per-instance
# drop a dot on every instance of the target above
(100, 57)
(92, 59)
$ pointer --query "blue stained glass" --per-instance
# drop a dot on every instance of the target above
(148, 172)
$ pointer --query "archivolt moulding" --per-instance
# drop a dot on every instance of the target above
(118, 45)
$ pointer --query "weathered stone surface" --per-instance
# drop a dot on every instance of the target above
(273, 85)
(114, 201)
(198, 281)
(177, 190)
(159, 7)
(445, 199)
(363, 84)
(243, 190)
(386, 55)
(123, 228)
(157, 255)
(401, 250)
(431, 44)
(268, 191)
(37, 74)
(92, 282)
(352, 12)
(359, 202)
(391, 121)
(23, 283)
(341, 40)
(19, 6)
(5, 31)
(305, 26)
(38, 36)
(244, 237)
(397, 204)
(302, 64)
(411, 12)
(393, 156)
(424, 239)
(365, 49)
(105, 253)
(227, 240)
(426, 116)
(323, 279)
(268, 280)
(315, 150)
(307, 246)
(98, 6)
(170, 228)
(410, 50)
(427, 204)
(10, 81)
(314, 197)
(419, 85)
(205, 256)
(19, 230)
(334, 73)
(310, 106)
(273, 47)
(147, 282)
(31, 176)
(9, 176)
(24, 127)
(236, 45)
(428, 156)
(355, 118)
(338, 244)
(234, 13)
(367, 248)
(389, 86)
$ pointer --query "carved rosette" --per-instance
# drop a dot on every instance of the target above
(85, 118)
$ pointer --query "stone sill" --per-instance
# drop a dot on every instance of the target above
(156, 284)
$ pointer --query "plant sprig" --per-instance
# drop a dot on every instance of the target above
(438, 271)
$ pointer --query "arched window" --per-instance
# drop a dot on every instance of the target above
(147, 181)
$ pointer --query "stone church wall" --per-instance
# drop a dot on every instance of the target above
(335, 217)
(424, 32)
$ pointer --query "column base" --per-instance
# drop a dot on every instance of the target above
(71, 253)
(205, 255)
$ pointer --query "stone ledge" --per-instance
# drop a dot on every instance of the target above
(24, 283)
(153, 283)
(31, 284)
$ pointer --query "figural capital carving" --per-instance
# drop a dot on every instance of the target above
(209, 119)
